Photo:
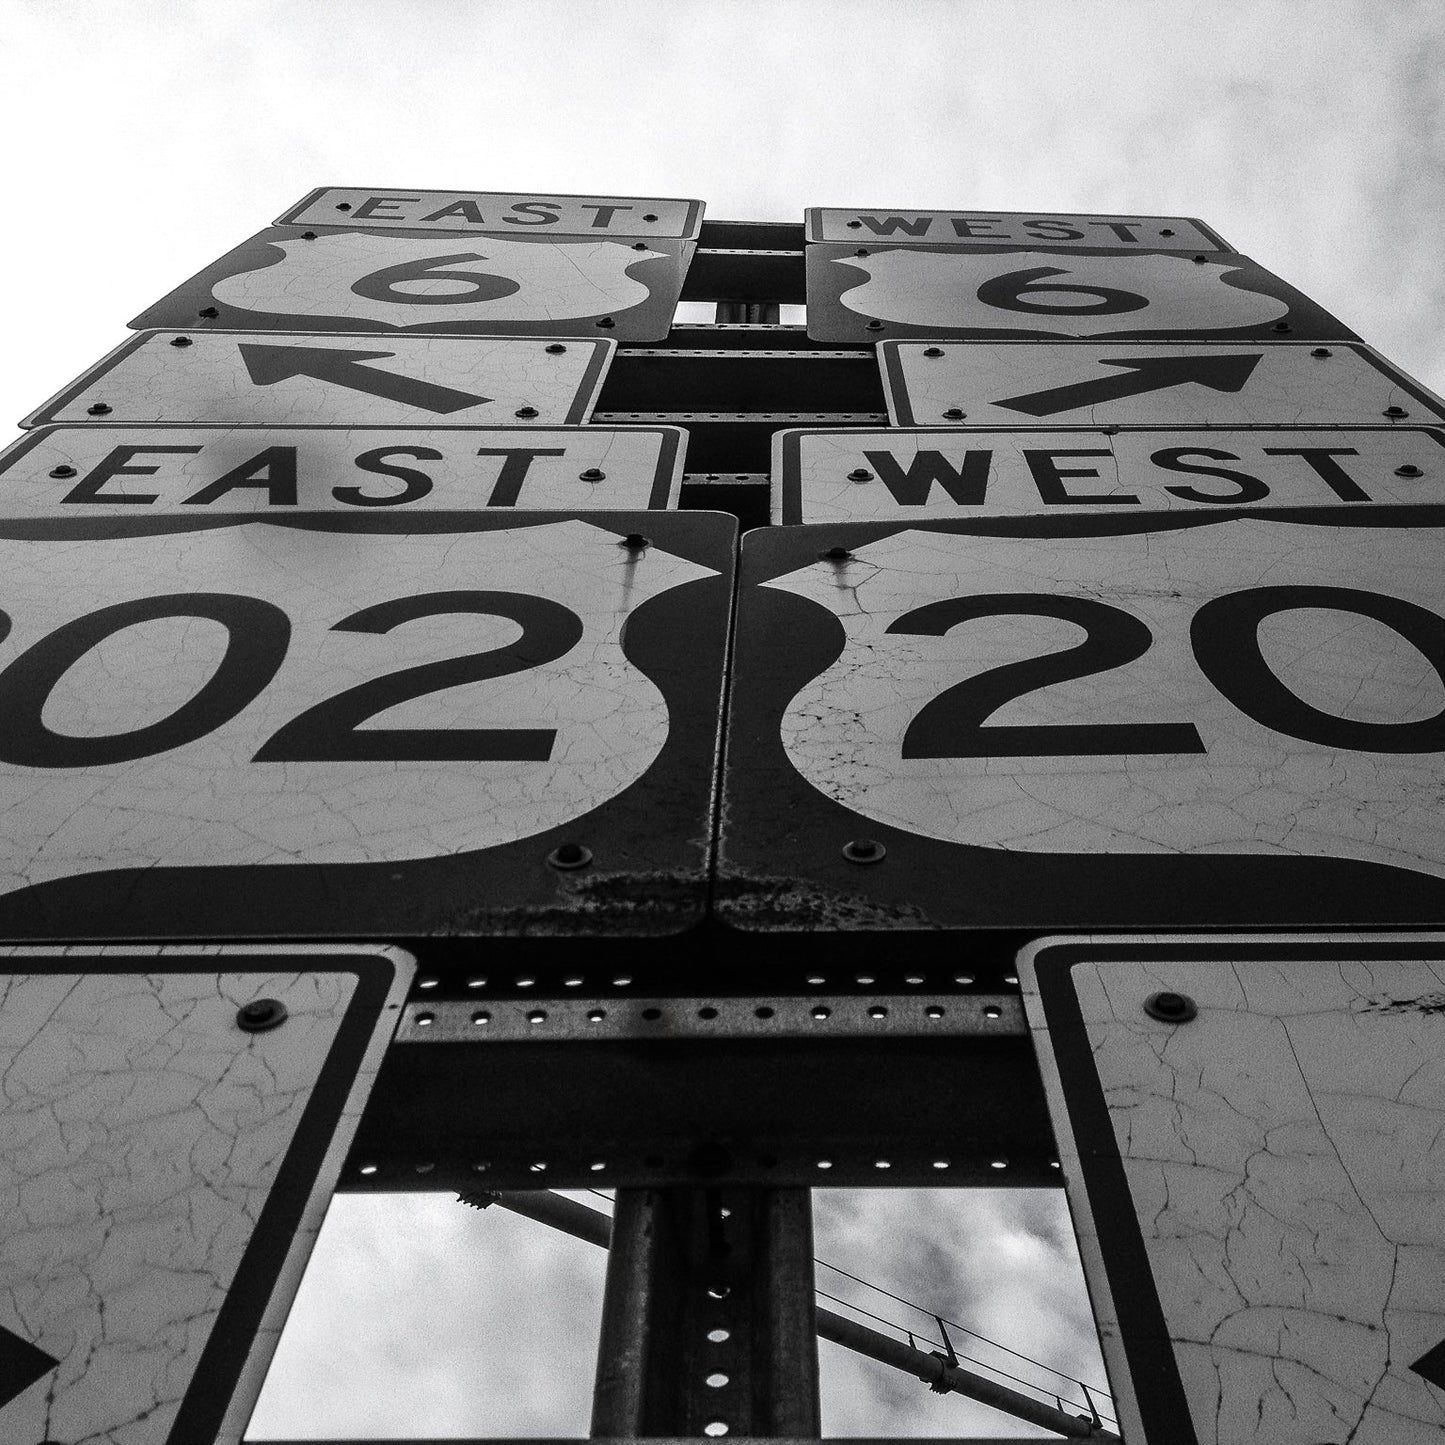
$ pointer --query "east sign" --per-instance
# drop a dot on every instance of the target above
(357, 725)
(1209, 717)
(857, 476)
(1249, 1129)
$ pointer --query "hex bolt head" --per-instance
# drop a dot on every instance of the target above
(181, 341)
(955, 413)
(874, 326)
(526, 411)
(343, 205)
(99, 409)
(592, 474)
(62, 471)
(835, 554)
(1409, 470)
(1322, 352)
(635, 542)
(649, 217)
(864, 850)
(860, 474)
(1395, 411)
(556, 349)
(1283, 326)
(605, 322)
(639, 245)
(208, 311)
(308, 235)
(1171, 1008)
(261, 1014)
(933, 351)
(567, 856)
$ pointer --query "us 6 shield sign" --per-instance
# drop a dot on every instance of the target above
(290, 279)
(91, 470)
(1073, 383)
(902, 227)
(500, 212)
(857, 476)
(359, 725)
(173, 1124)
(1178, 718)
(1249, 1129)
(874, 293)
(298, 379)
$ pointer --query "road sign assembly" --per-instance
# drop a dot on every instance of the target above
(85, 471)
(855, 476)
(1086, 383)
(271, 378)
(1252, 1125)
(374, 609)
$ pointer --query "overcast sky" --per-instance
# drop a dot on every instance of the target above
(146, 137)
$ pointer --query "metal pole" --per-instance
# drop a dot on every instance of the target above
(752, 313)
(790, 1405)
(619, 1397)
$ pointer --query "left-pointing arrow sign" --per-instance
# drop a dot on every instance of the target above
(269, 364)
(21, 1365)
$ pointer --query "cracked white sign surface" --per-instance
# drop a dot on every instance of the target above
(124, 471)
(1283, 1154)
(410, 282)
(1253, 790)
(287, 378)
(207, 802)
(843, 476)
(1023, 383)
(141, 1132)
(1054, 293)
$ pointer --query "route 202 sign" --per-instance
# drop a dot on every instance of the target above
(373, 724)
(1181, 718)
(363, 279)
(859, 294)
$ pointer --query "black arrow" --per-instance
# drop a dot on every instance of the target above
(269, 364)
(21, 1365)
(1146, 373)
(1431, 1365)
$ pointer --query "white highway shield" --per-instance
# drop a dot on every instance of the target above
(1256, 1186)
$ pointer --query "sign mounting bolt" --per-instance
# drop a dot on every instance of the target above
(343, 205)
(855, 225)
(181, 341)
(933, 351)
(860, 474)
(592, 474)
(1282, 326)
(1322, 352)
(261, 1014)
(99, 409)
(1171, 1008)
(62, 471)
(606, 322)
(526, 411)
(308, 235)
(955, 413)
(567, 856)
(864, 850)
(649, 217)
(1200, 260)
(556, 349)
(874, 326)
(1409, 470)
(635, 542)
(1395, 411)
(835, 554)
(209, 311)
(1166, 231)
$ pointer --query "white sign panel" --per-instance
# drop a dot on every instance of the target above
(854, 476)
(304, 379)
(1250, 1132)
(92, 470)
(899, 226)
(1083, 383)
(1257, 685)
(165, 1164)
(498, 211)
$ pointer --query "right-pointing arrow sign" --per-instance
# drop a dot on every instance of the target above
(269, 364)
(1142, 374)
(21, 1365)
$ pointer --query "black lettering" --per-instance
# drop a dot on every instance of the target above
(535, 211)
(469, 211)
(1247, 488)
(1042, 230)
(1049, 477)
(1322, 460)
(116, 464)
(966, 484)
(887, 225)
(375, 204)
(514, 470)
(273, 470)
(1124, 231)
(418, 484)
(604, 215)
(969, 229)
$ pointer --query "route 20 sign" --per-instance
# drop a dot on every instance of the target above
(363, 279)
(873, 293)
(1250, 1132)
(1250, 706)
(123, 469)
(858, 476)
(298, 379)
(369, 725)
